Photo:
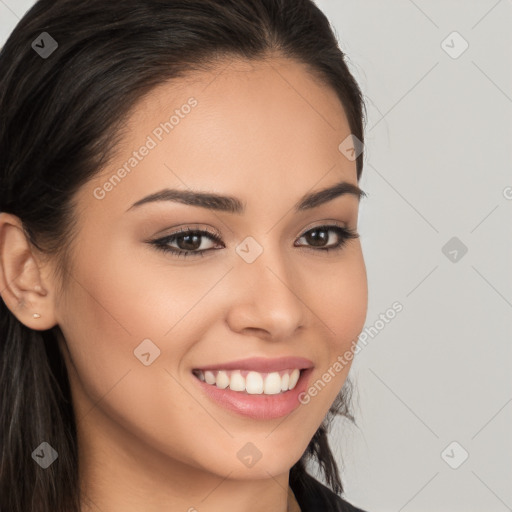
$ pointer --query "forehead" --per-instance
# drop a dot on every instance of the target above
(240, 128)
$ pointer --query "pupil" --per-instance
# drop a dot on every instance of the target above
(315, 239)
(191, 245)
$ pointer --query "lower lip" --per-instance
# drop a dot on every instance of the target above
(259, 407)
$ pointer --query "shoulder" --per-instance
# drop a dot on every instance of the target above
(313, 496)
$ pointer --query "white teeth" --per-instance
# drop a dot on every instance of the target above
(222, 380)
(272, 384)
(294, 377)
(253, 383)
(209, 377)
(285, 382)
(236, 382)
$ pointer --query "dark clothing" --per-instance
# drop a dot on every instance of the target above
(313, 496)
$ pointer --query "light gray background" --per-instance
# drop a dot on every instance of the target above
(438, 165)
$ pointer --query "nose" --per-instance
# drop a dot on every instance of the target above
(266, 299)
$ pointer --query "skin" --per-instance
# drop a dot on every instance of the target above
(266, 132)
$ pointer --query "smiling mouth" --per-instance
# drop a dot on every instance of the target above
(251, 382)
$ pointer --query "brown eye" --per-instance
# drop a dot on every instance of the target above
(188, 242)
(319, 237)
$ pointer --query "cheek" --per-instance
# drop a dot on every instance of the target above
(109, 308)
(132, 293)
(341, 299)
(341, 305)
(348, 307)
(106, 317)
(115, 302)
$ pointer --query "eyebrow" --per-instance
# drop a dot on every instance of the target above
(233, 205)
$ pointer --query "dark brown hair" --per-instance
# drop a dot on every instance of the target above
(60, 120)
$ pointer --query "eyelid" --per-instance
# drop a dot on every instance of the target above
(194, 227)
(322, 223)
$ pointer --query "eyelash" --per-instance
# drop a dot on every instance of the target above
(162, 244)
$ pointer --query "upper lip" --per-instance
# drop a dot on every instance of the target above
(262, 364)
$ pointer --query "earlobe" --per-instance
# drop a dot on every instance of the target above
(21, 278)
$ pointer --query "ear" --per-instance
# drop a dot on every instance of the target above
(23, 285)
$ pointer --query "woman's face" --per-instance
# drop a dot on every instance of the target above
(138, 320)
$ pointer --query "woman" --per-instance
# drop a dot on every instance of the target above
(180, 268)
